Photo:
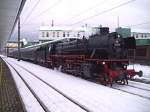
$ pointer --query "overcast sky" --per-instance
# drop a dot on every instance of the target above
(131, 13)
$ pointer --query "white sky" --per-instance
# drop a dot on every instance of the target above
(81, 12)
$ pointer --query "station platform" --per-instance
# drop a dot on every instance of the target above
(45, 90)
(9, 97)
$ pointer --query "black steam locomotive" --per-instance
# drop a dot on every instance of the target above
(102, 56)
(103, 45)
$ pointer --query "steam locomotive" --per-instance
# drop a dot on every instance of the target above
(102, 56)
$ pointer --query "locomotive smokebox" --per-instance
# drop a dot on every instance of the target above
(104, 30)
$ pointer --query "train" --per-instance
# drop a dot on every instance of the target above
(102, 56)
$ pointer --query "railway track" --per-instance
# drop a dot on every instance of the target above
(134, 90)
(82, 107)
(130, 89)
(139, 88)
(139, 85)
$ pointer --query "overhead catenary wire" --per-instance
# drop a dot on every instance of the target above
(143, 23)
(57, 2)
(105, 11)
(49, 8)
(29, 14)
(89, 9)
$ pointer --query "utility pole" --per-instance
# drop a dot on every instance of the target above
(19, 38)
(118, 22)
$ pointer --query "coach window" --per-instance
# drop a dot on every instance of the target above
(57, 34)
(53, 34)
(43, 34)
(63, 34)
(47, 34)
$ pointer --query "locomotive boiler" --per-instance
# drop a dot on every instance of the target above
(103, 45)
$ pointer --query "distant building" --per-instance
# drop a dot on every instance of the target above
(13, 44)
(142, 52)
(140, 35)
(125, 32)
(48, 33)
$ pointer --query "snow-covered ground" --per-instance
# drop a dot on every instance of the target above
(95, 97)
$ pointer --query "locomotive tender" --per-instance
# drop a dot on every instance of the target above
(102, 56)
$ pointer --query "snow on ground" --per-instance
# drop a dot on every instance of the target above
(94, 96)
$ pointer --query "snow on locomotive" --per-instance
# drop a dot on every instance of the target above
(102, 56)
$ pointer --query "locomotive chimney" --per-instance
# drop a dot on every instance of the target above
(104, 30)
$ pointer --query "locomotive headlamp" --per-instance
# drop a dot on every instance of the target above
(103, 63)
(125, 66)
(118, 36)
